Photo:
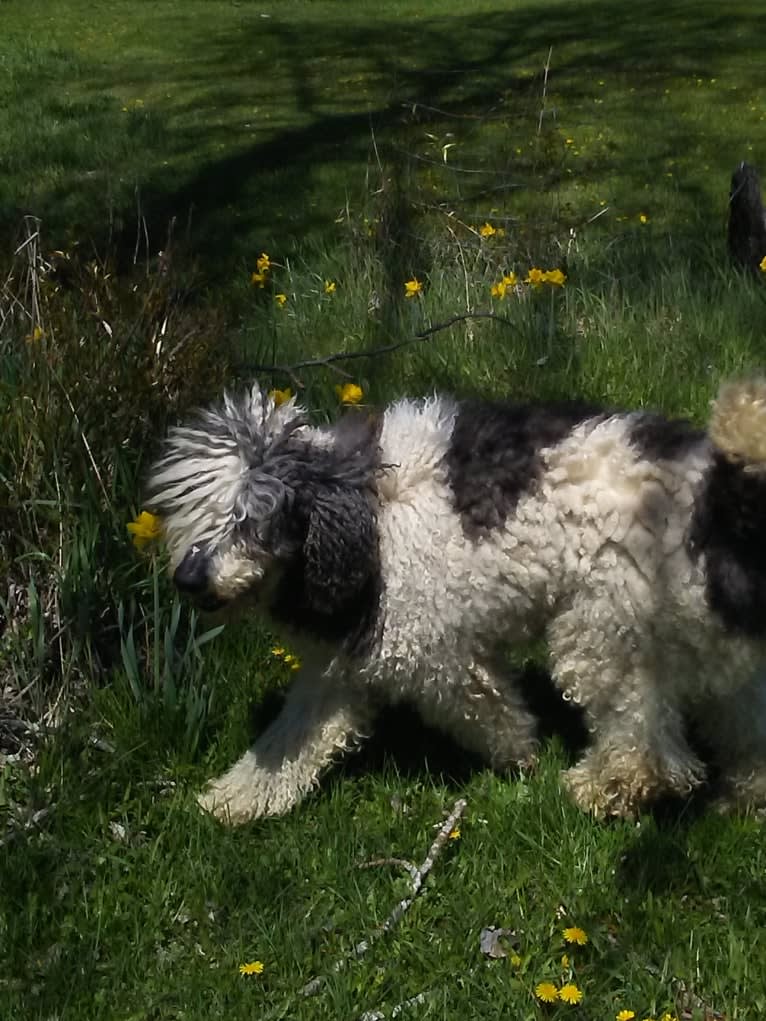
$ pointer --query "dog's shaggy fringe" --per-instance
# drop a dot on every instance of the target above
(402, 550)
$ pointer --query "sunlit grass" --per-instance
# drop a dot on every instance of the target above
(362, 149)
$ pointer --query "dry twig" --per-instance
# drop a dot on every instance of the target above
(347, 356)
(417, 879)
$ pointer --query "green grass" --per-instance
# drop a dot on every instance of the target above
(361, 145)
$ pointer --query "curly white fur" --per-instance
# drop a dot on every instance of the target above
(595, 553)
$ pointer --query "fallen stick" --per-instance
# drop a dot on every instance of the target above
(417, 878)
(378, 1015)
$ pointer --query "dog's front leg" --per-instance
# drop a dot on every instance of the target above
(322, 717)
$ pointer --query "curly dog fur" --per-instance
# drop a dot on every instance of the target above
(402, 549)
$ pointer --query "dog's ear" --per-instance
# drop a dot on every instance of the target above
(341, 547)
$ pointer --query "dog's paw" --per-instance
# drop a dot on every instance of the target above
(248, 792)
(743, 793)
(622, 788)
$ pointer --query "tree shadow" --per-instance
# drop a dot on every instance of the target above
(308, 145)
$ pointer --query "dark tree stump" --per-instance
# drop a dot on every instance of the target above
(747, 220)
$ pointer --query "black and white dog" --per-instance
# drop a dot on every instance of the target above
(401, 549)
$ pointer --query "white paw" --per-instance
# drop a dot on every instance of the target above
(247, 792)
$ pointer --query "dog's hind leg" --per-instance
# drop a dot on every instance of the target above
(321, 718)
(734, 728)
(484, 711)
(639, 750)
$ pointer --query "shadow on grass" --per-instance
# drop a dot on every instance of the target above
(400, 739)
(323, 89)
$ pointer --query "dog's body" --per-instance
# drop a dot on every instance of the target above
(402, 551)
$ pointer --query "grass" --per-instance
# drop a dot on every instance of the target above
(362, 147)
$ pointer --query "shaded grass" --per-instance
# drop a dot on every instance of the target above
(123, 901)
(258, 122)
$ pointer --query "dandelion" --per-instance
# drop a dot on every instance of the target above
(145, 529)
(412, 288)
(515, 961)
(281, 396)
(37, 333)
(555, 277)
(534, 277)
(498, 290)
(547, 992)
(258, 280)
(251, 968)
(281, 299)
(509, 279)
(263, 262)
(455, 834)
(278, 652)
(626, 1015)
(570, 993)
(565, 962)
(292, 661)
(643, 218)
(762, 265)
(349, 393)
(570, 141)
(575, 935)
(668, 1017)
(487, 231)
(329, 287)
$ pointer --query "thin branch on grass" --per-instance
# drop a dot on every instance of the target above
(417, 879)
(378, 1015)
(347, 356)
(399, 863)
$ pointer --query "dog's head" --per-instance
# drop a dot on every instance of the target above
(253, 497)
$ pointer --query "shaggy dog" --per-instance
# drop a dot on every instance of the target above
(399, 551)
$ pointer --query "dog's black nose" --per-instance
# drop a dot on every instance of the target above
(191, 575)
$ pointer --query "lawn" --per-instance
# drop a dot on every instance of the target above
(156, 150)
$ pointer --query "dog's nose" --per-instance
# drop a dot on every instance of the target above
(191, 575)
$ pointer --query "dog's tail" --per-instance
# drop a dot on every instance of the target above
(738, 423)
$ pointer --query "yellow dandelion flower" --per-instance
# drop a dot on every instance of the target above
(509, 279)
(575, 935)
(258, 280)
(626, 1015)
(570, 993)
(534, 277)
(251, 968)
(667, 1016)
(38, 333)
(555, 277)
(295, 664)
(412, 288)
(565, 962)
(498, 290)
(278, 652)
(762, 264)
(547, 992)
(281, 396)
(281, 299)
(487, 231)
(515, 961)
(455, 834)
(570, 141)
(330, 287)
(145, 529)
(643, 218)
(349, 393)
(263, 262)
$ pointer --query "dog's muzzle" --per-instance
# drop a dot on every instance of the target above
(192, 577)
